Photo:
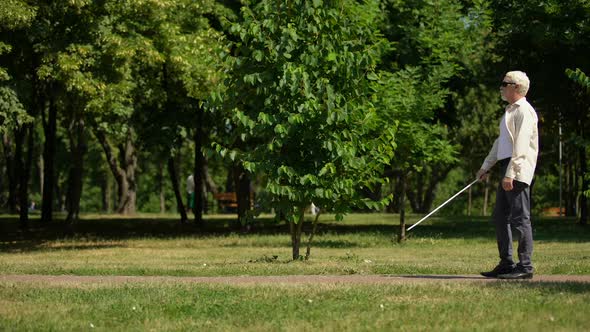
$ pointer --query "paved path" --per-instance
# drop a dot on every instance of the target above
(291, 279)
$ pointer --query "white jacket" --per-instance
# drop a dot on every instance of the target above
(521, 120)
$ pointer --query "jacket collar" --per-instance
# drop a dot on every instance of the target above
(516, 104)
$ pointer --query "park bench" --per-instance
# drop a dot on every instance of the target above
(553, 211)
(229, 200)
(226, 200)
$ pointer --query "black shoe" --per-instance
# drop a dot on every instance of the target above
(498, 270)
(517, 274)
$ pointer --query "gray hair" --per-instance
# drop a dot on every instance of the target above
(521, 80)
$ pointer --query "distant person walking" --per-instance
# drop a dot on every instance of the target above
(515, 150)
(190, 190)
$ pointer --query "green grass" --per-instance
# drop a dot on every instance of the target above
(330, 307)
(362, 244)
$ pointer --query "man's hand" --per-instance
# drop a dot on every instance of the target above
(482, 175)
(507, 184)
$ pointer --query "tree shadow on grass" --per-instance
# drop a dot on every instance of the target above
(39, 234)
(546, 229)
(12, 238)
(544, 287)
(28, 246)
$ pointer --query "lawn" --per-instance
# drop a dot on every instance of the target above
(362, 244)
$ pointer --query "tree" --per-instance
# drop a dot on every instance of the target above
(16, 14)
(581, 79)
(477, 116)
(139, 79)
(435, 43)
(14, 120)
(409, 99)
(298, 85)
(544, 39)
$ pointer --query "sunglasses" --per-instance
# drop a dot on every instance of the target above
(505, 84)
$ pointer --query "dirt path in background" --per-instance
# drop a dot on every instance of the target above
(292, 279)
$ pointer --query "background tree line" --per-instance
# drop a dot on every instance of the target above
(110, 105)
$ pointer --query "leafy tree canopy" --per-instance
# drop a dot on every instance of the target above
(299, 86)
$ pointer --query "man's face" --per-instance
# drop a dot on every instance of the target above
(507, 89)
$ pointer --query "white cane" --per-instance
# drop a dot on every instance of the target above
(443, 204)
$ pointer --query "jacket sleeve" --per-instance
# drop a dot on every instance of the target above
(523, 130)
(492, 157)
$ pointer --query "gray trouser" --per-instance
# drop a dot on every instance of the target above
(513, 208)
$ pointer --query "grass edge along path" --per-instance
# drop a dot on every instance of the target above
(288, 279)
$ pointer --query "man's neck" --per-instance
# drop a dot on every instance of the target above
(515, 99)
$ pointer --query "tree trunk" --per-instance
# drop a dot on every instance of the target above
(401, 235)
(176, 188)
(198, 170)
(429, 196)
(21, 176)
(396, 188)
(25, 175)
(50, 127)
(60, 195)
(242, 186)
(106, 193)
(161, 187)
(3, 173)
(438, 175)
(77, 149)
(229, 180)
(123, 170)
(210, 185)
(585, 187)
(128, 187)
(412, 197)
(11, 173)
(422, 195)
(41, 170)
(570, 196)
(295, 230)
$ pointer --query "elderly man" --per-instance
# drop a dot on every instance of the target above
(515, 150)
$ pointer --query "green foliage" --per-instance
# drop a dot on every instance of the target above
(15, 14)
(320, 95)
(408, 100)
(12, 113)
(544, 39)
(299, 87)
(435, 42)
(579, 77)
(478, 112)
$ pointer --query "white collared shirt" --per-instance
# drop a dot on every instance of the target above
(504, 140)
(521, 121)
